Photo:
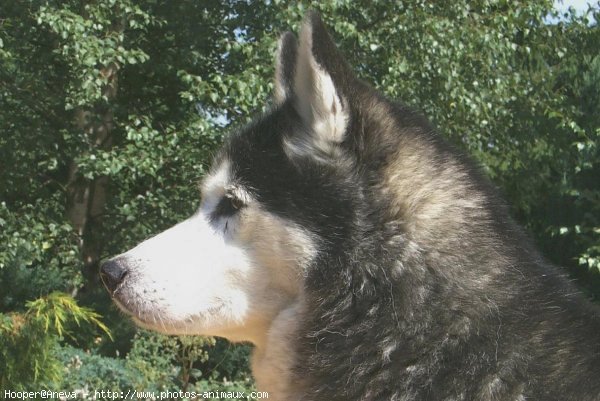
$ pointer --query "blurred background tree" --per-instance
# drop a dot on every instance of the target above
(110, 111)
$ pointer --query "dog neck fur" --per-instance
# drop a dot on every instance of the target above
(272, 363)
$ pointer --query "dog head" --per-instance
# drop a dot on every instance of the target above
(280, 195)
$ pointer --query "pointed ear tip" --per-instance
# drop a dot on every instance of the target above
(286, 39)
(314, 20)
(312, 25)
(312, 17)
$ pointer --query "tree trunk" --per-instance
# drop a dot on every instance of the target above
(86, 198)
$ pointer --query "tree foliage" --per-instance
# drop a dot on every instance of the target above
(110, 111)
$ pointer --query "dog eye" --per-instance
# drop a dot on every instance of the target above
(228, 206)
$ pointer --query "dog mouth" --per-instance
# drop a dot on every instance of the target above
(150, 312)
(144, 315)
(125, 304)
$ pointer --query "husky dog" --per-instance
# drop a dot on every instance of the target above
(363, 257)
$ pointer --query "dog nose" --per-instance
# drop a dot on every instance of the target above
(112, 273)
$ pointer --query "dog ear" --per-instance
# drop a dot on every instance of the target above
(285, 66)
(320, 74)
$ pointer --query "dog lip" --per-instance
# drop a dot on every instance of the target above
(112, 291)
(142, 315)
(120, 304)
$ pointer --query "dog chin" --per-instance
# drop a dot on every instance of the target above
(157, 322)
(161, 326)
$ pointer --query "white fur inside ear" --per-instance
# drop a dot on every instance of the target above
(317, 100)
(280, 92)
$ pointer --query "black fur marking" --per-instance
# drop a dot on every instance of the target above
(286, 68)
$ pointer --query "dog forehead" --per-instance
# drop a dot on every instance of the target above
(256, 151)
(218, 179)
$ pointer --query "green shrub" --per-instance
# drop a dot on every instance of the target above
(29, 341)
